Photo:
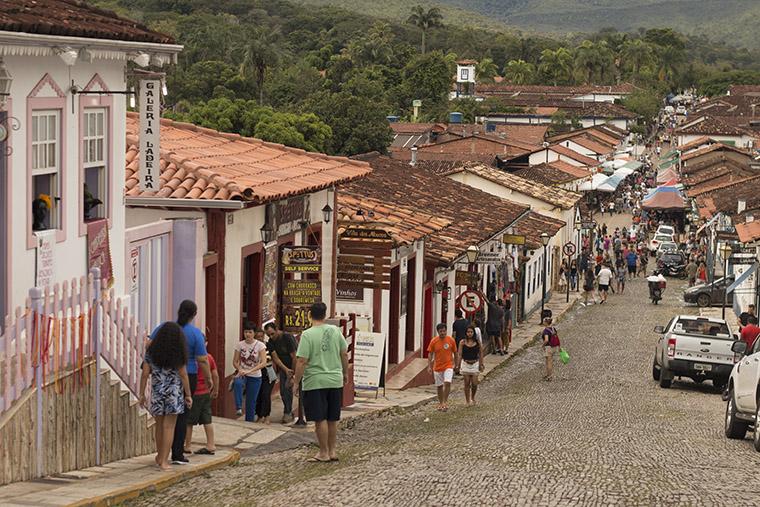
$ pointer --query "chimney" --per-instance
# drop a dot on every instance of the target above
(741, 205)
(414, 156)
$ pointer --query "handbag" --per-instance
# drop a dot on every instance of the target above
(270, 373)
(564, 356)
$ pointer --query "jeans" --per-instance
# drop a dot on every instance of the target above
(252, 386)
(180, 428)
(264, 400)
(286, 393)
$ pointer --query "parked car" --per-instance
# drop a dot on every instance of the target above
(669, 110)
(695, 347)
(666, 229)
(659, 238)
(665, 247)
(681, 110)
(672, 263)
(742, 403)
(709, 294)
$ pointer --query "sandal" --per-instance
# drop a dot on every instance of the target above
(314, 459)
(205, 451)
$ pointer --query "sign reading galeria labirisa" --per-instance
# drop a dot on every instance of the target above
(150, 135)
(368, 359)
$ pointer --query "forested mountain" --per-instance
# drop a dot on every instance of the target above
(324, 79)
(733, 21)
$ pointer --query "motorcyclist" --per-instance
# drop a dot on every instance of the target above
(656, 284)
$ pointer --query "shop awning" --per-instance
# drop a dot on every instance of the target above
(592, 184)
(611, 166)
(664, 198)
(670, 154)
(633, 165)
(666, 175)
(668, 163)
(612, 182)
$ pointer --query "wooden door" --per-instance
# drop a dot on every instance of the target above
(427, 318)
(214, 335)
(411, 310)
(393, 326)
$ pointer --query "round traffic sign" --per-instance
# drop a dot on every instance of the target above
(470, 301)
(568, 249)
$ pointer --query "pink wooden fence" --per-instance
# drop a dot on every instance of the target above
(123, 342)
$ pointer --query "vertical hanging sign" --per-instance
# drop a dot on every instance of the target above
(150, 134)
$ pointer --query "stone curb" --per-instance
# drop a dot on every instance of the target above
(160, 482)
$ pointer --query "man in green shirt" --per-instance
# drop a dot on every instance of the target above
(322, 363)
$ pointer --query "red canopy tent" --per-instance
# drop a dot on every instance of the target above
(663, 199)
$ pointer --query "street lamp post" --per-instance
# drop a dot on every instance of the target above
(578, 257)
(472, 256)
(725, 252)
(544, 241)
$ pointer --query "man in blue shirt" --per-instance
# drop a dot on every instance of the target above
(196, 358)
(630, 258)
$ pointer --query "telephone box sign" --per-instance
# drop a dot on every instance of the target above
(150, 135)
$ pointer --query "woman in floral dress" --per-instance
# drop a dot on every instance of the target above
(165, 363)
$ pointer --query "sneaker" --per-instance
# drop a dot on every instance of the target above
(238, 412)
(300, 422)
(180, 461)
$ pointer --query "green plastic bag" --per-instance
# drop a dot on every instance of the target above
(564, 356)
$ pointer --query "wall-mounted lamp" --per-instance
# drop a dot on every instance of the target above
(267, 233)
(327, 213)
(140, 59)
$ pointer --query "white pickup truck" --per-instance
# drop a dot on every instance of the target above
(743, 404)
(695, 347)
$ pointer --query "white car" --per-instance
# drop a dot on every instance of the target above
(666, 246)
(659, 238)
(669, 110)
(666, 229)
(742, 404)
(681, 110)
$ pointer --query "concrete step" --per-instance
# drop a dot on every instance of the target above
(413, 375)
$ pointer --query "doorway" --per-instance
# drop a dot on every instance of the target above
(214, 335)
(253, 267)
(411, 310)
(394, 315)
(427, 318)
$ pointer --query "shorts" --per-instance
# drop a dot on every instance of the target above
(323, 404)
(200, 412)
(603, 288)
(440, 377)
(550, 351)
(469, 369)
(632, 269)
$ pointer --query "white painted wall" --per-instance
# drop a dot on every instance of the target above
(70, 255)
(739, 141)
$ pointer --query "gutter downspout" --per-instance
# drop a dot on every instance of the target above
(170, 202)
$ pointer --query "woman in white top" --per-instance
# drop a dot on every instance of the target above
(249, 359)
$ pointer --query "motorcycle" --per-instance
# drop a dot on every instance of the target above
(657, 284)
(675, 270)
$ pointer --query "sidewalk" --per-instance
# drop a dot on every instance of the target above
(116, 482)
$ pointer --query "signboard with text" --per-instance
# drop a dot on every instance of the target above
(368, 359)
(360, 233)
(513, 239)
(301, 292)
(150, 135)
(364, 263)
(44, 271)
(355, 294)
(99, 249)
(301, 259)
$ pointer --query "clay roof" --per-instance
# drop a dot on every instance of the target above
(696, 143)
(403, 127)
(405, 225)
(547, 174)
(732, 188)
(592, 145)
(493, 88)
(73, 18)
(525, 134)
(748, 231)
(744, 90)
(724, 198)
(444, 167)
(533, 224)
(559, 197)
(577, 172)
(571, 107)
(567, 152)
(611, 137)
(717, 146)
(201, 163)
(713, 125)
(475, 216)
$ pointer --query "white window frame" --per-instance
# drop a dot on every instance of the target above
(36, 154)
(90, 140)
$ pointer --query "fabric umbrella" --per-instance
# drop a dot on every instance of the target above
(664, 199)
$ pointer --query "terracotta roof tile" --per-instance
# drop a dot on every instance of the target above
(202, 163)
(712, 125)
(748, 231)
(533, 224)
(393, 183)
(716, 146)
(567, 152)
(546, 174)
(73, 18)
(559, 197)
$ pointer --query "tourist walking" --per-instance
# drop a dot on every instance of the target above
(551, 347)
(620, 275)
(166, 364)
(495, 326)
(470, 362)
(588, 286)
(264, 399)
(573, 275)
(197, 359)
(691, 271)
(322, 364)
(460, 325)
(630, 258)
(282, 347)
(200, 412)
(249, 359)
(604, 278)
(702, 273)
(441, 355)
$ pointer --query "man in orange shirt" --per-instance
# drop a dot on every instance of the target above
(441, 353)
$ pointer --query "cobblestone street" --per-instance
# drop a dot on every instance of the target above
(602, 433)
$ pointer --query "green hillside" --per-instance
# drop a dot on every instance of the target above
(732, 21)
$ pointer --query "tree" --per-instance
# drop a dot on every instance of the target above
(593, 62)
(375, 47)
(556, 65)
(486, 70)
(426, 77)
(671, 60)
(261, 53)
(359, 125)
(645, 103)
(519, 72)
(634, 55)
(425, 20)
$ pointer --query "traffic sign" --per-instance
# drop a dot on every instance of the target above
(588, 225)
(470, 301)
(568, 249)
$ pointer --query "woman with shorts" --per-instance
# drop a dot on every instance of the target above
(551, 346)
(470, 361)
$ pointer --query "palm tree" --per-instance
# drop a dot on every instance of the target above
(635, 54)
(261, 53)
(586, 61)
(486, 70)
(556, 66)
(671, 61)
(424, 20)
(519, 72)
